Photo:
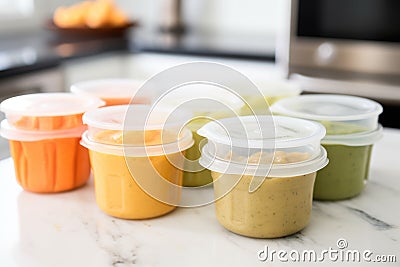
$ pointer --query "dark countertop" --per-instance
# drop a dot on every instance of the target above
(239, 46)
(35, 51)
(23, 53)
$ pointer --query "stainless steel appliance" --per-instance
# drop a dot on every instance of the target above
(345, 46)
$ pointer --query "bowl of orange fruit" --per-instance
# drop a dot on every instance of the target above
(98, 18)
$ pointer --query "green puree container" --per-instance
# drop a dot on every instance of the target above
(207, 103)
(352, 128)
(264, 169)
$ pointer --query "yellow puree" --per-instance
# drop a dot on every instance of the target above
(117, 192)
(279, 207)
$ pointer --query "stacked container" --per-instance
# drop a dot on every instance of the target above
(352, 128)
(44, 132)
(263, 169)
(137, 159)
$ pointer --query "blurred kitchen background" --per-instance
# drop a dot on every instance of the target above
(327, 46)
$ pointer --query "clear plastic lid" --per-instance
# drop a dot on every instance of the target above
(49, 104)
(355, 139)
(135, 117)
(310, 165)
(263, 132)
(108, 88)
(340, 114)
(203, 99)
(254, 144)
(139, 130)
(12, 133)
(185, 141)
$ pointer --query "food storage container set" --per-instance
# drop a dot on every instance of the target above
(265, 169)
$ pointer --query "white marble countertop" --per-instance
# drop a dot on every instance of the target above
(68, 229)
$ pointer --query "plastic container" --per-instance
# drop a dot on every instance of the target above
(207, 103)
(270, 92)
(48, 161)
(281, 204)
(47, 111)
(113, 91)
(352, 129)
(44, 132)
(127, 157)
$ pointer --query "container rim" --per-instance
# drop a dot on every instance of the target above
(139, 151)
(95, 118)
(355, 139)
(68, 104)
(12, 133)
(316, 132)
(282, 107)
(267, 170)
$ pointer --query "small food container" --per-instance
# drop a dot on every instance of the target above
(44, 132)
(137, 163)
(270, 92)
(206, 103)
(282, 164)
(113, 91)
(352, 128)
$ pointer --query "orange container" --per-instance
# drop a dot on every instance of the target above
(48, 162)
(113, 91)
(137, 169)
(44, 131)
(45, 123)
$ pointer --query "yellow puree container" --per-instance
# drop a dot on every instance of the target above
(263, 175)
(136, 160)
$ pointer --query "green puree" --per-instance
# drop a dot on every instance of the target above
(201, 177)
(345, 175)
(347, 171)
(336, 128)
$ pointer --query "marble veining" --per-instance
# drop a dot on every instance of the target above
(68, 229)
(378, 224)
(112, 240)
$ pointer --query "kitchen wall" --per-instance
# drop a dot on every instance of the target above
(221, 16)
(253, 17)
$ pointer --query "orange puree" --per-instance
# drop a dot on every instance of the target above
(149, 137)
(49, 123)
(117, 192)
(50, 165)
